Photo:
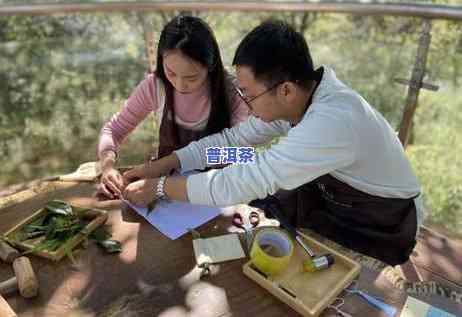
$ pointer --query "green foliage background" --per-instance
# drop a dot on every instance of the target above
(63, 76)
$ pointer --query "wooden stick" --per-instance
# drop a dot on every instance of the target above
(416, 86)
(35, 190)
(5, 309)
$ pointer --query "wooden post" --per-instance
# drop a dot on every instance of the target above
(148, 35)
(415, 83)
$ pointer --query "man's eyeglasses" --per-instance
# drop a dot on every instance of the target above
(248, 101)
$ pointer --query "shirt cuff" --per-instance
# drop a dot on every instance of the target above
(198, 188)
(187, 162)
(105, 151)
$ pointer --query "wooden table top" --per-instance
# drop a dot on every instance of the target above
(155, 276)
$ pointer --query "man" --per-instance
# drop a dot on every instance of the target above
(337, 167)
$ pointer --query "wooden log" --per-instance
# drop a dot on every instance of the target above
(27, 282)
(7, 253)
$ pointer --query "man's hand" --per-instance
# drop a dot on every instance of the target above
(141, 192)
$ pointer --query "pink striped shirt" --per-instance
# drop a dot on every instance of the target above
(191, 108)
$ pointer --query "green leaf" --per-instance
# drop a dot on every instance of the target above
(151, 206)
(102, 238)
(33, 228)
(24, 236)
(37, 224)
(99, 234)
(111, 246)
(59, 207)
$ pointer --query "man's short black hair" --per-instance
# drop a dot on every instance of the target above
(275, 52)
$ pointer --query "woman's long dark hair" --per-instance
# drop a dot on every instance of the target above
(194, 38)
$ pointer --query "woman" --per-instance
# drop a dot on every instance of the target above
(190, 94)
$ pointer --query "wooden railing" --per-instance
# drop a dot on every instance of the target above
(363, 8)
(424, 11)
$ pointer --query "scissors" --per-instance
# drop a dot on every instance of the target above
(377, 303)
(338, 302)
(254, 220)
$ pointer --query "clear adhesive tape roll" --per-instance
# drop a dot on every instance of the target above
(271, 251)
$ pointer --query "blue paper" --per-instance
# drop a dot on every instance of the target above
(174, 218)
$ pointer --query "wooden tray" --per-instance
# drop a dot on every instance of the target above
(97, 216)
(308, 293)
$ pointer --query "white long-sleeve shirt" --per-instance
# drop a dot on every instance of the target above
(340, 134)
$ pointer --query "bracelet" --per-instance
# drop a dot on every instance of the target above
(160, 193)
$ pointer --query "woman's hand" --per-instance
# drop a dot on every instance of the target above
(153, 169)
(112, 183)
(140, 192)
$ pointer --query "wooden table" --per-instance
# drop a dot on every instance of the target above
(155, 276)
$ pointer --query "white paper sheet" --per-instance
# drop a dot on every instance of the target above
(218, 249)
(416, 308)
(174, 218)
